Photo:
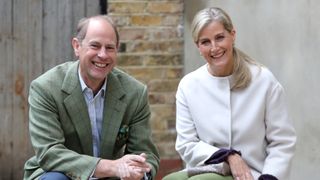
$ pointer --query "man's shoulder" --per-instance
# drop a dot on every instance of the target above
(125, 79)
(56, 74)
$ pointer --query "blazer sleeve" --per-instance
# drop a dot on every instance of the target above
(139, 139)
(280, 135)
(48, 140)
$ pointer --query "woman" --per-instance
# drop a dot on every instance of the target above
(232, 121)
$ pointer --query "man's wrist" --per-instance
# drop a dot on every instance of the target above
(105, 168)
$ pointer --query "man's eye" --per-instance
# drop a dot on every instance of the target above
(94, 46)
(110, 47)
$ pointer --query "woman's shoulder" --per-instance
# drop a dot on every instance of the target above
(197, 73)
(194, 76)
(262, 72)
(263, 75)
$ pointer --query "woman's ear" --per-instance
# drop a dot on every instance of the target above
(233, 34)
(76, 45)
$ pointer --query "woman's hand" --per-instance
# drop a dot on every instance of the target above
(239, 168)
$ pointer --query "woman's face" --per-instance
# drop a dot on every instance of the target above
(215, 44)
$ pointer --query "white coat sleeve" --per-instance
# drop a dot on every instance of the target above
(280, 135)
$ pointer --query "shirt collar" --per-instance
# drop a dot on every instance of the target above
(84, 86)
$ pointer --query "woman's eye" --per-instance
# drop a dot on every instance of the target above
(220, 38)
(205, 42)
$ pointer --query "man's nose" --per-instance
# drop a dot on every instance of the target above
(102, 53)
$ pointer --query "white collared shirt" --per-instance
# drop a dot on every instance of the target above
(95, 106)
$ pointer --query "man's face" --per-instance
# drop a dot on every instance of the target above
(97, 52)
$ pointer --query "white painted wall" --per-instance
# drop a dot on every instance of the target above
(285, 36)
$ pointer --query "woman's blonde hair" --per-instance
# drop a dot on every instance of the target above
(241, 71)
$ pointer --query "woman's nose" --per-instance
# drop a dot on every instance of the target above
(213, 46)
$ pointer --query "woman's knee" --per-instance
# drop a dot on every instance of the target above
(210, 176)
(180, 175)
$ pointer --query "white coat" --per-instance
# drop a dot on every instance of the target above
(253, 120)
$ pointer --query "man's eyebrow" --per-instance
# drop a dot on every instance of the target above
(98, 42)
(93, 41)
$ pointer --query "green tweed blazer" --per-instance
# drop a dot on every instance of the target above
(60, 129)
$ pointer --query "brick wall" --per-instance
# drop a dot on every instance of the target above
(152, 51)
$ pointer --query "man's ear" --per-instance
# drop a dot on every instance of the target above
(76, 45)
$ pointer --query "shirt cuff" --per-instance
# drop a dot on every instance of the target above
(91, 176)
(221, 155)
(147, 176)
(267, 177)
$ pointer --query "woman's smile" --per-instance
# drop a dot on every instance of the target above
(217, 55)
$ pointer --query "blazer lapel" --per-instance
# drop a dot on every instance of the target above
(114, 110)
(77, 109)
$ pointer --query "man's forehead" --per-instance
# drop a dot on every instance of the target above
(101, 41)
(100, 28)
(94, 22)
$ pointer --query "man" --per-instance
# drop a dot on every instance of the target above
(88, 119)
